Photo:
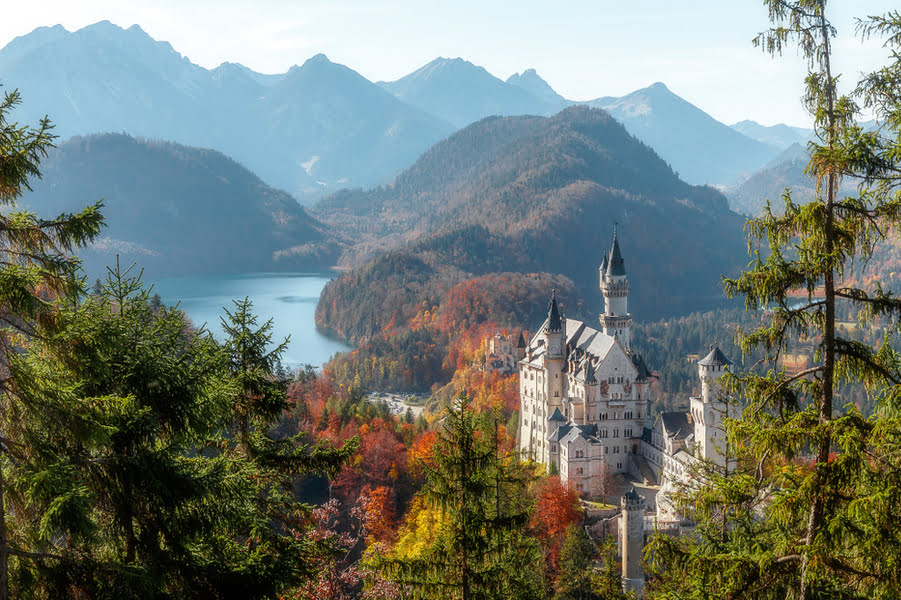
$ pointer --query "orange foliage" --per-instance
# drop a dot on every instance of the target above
(556, 508)
(379, 515)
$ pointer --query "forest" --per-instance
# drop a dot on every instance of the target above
(142, 458)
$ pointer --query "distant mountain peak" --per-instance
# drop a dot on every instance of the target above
(319, 58)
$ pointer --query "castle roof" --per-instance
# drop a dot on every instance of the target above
(715, 358)
(559, 433)
(643, 372)
(676, 424)
(521, 343)
(590, 379)
(604, 264)
(554, 322)
(557, 416)
(579, 337)
(632, 495)
(616, 266)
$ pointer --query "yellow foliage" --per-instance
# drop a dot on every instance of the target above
(421, 527)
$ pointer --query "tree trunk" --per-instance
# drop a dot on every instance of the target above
(4, 543)
(824, 408)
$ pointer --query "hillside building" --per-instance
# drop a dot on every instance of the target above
(585, 398)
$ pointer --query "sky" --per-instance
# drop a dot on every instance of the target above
(701, 49)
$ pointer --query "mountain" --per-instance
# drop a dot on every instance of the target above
(178, 210)
(785, 171)
(779, 136)
(530, 81)
(539, 194)
(698, 147)
(317, 127)
(462, 93)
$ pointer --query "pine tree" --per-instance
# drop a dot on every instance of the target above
(480, 550)
(127, 482)
(579, 579)
(812, 511)
(35, 267)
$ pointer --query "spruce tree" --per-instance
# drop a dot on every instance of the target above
(128, 480)
(481, 549)
(36, 266)
(812, 510)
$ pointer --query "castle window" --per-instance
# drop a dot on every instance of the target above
(606, 450)
(619, 466)
(616, 449)
(616, 433)
(556, 394)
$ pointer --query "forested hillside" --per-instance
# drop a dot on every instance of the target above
(536, 194)
(179, 210)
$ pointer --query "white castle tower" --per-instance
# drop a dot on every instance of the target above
(631, 523)
(709, 410)
(616, 320)
(555, 355)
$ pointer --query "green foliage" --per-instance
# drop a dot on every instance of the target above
(124, 484)
(35, 268)
(579, 578)
(807, 511)
(480, 548)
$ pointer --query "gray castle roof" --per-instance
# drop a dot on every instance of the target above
(616, 266)
(557, 416)
(715, 358)
(643, 372)
(554, 322)
(521, 343)
(677, 424)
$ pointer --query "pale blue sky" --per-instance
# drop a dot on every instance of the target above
(585, 49)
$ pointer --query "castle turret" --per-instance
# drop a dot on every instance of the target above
(555, 353)
(520, 347)
(631, 527)
(709, 409)
(616, 320)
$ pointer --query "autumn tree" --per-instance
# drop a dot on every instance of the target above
(556, 510)
(812, 514)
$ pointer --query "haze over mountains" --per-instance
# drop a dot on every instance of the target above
(533, 194)
(177, 210)
(321, 126)
(317, 127)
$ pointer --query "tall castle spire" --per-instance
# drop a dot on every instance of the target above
(554, 321)
(616, 320)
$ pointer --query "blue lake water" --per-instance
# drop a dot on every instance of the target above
(289, 299)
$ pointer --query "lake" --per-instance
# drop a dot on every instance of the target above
(289, 299)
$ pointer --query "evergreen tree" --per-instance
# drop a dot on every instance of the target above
(35, 267)
(480, 550)
(812, 511)
(579, 579)
(126, 486)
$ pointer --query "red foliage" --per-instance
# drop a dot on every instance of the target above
(556, 508)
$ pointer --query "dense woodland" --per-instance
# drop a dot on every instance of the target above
(141, 458)
(529, 194)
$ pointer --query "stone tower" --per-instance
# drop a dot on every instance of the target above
(616, 320)
(709, 409)
(631, 541)
(554, 355)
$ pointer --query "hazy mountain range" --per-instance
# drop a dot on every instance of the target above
(177, 210)
(322, 126)
(542, 194)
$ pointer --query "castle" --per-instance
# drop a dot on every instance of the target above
(585, 400)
